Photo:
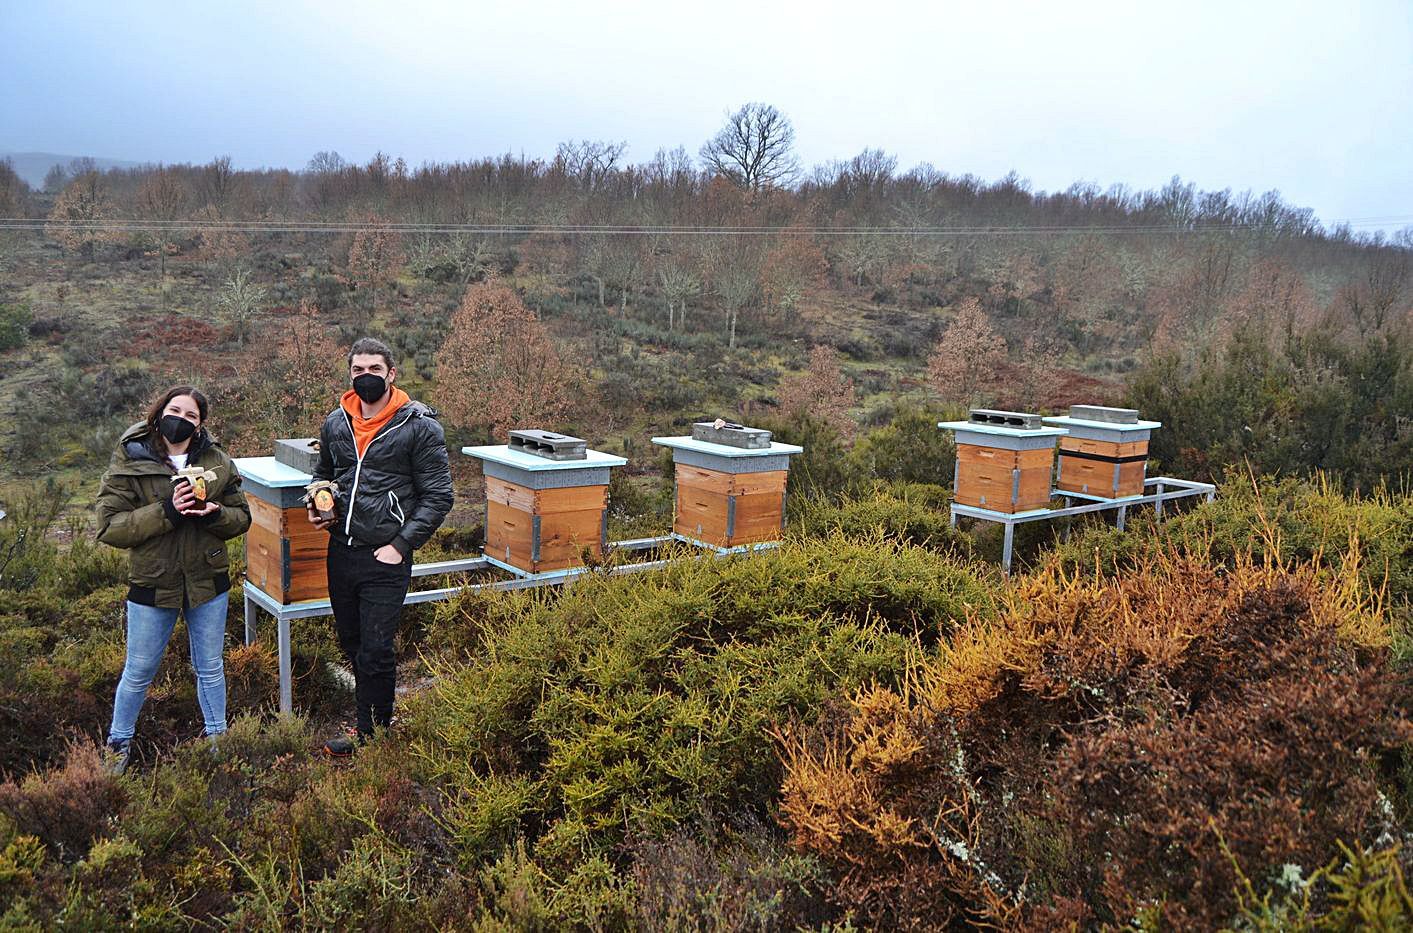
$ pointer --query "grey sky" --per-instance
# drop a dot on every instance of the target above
(1315, 100)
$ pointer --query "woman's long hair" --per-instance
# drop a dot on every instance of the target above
(154, 414)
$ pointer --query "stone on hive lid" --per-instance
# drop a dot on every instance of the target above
(731, 434)
(1104, 414)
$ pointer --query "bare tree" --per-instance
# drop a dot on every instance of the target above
(13, 191)
(625, 267)
(218, 181)
(679, 283)
(375, 259)
(860, 254)
(81, 214)
(326, 162)
(589, 162)
(163, 197)
(472, 257)
(755, 149)
(55, 179)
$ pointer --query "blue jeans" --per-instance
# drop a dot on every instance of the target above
(149, 630)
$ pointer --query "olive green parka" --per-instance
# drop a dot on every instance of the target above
(174, 560)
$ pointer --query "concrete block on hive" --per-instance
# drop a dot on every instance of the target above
(547, 444)
(729, 495)
(546, 500)
(301, 453)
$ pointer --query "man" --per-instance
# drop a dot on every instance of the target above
(388, 456)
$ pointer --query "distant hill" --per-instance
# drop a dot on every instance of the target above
(33, 166)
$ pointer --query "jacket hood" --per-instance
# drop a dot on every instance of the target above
(410, 407)
(136, 454)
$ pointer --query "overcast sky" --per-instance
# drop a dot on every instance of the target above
(1315, 100)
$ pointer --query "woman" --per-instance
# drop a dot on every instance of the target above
(177, 548)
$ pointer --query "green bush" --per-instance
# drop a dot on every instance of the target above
(15, 319)
(1316, 403)
(916, 513)
(630, 704)
(910, 449)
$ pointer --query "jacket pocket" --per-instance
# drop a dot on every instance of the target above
(216, 557)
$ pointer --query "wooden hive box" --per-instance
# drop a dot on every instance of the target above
(542, 514)
(285, 556)
(1004, 461)
(1105, 455)
(728, 496)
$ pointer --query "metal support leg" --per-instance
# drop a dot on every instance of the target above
(1123, 515)
(1158, 505)
(250, 610)
(286, 681)
(1006, 541)
(954, 518)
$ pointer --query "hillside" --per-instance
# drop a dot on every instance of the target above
(1257, 335)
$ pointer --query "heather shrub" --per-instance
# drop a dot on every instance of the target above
(66, 808)
(732, 878)
(1094, 754)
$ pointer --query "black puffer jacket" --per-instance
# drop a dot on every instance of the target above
(399, 492)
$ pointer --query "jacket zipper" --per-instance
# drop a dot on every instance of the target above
(358, 469)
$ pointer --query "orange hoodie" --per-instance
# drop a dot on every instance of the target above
(365, 428)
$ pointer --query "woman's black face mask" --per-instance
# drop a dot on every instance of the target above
(370, 387)
(175, 428)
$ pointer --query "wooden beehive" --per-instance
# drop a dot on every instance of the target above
(728, 495)
(1004, 461)
(285, 556)
(542, 514)
(1106, 453)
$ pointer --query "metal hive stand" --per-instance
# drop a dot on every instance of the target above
(1167, 490)
(257, 599)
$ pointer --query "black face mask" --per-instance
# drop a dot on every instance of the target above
(370, 387)
(175, 428)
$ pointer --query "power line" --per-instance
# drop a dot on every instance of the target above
(528, 229)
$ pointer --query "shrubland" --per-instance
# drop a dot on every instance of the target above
(1203, 723)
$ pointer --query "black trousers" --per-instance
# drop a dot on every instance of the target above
(366, 596)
